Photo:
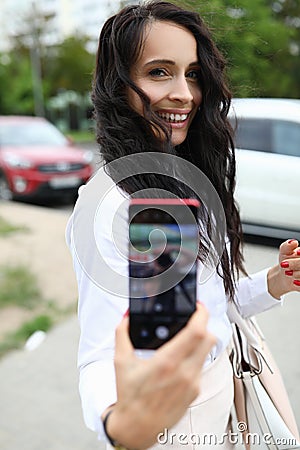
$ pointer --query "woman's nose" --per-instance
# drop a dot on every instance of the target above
(180, 90)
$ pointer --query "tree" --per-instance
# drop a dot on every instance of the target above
(37, 68)
(255, 43)
(31, 39)
(16, 85)
(70, 66)
(288, 12)
(64, 67)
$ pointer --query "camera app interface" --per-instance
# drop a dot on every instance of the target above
(162, 263)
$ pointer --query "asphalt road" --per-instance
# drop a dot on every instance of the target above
(40, 407)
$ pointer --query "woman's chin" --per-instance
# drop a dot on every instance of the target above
(178, 137)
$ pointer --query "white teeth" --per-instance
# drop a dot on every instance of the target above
(173, 117)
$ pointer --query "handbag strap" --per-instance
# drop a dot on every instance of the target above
(235, 317)
(248, 341)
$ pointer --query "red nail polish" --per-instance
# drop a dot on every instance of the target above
(298, 251)
(296, 282)
(284, 264)
(289, 273)
(126, 314)
(291, 240)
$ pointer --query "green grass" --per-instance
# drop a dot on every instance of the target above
(18, 287)
(17, 339)
(7, 228)
(42, 322)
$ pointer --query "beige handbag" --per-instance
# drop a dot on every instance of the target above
(262, 408)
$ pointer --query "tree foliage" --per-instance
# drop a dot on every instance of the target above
(16, 86)
(70, 66)
(35, 58)
(256, 43)
(288, 12)
(67, 66)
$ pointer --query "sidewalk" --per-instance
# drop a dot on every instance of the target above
(39, 402)
(40, 406)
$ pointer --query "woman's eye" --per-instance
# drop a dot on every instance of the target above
(157, 73)
(194, 74)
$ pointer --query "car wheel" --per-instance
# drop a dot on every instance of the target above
(5, 191)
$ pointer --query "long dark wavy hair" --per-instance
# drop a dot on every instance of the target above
(122, 131)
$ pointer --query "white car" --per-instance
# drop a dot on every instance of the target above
(268, 165)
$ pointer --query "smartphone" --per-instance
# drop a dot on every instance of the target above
(163, 250)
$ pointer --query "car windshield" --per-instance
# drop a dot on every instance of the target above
(24, 134)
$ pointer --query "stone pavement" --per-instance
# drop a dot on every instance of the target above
(39, 401)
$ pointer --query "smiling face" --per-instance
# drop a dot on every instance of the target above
(168, 72)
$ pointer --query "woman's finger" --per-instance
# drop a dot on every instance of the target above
(288, 249)
(189, 338)
(124, 348)
(290, 265)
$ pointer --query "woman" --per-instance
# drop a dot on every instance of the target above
(159, 87)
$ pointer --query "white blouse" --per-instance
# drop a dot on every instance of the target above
(97, 235)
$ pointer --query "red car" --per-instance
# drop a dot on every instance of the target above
(38, 161)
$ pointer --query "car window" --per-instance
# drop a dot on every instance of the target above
(253, 134)
(265, 135)
(286, 137)
(18, 134)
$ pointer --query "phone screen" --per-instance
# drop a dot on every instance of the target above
(162, 269)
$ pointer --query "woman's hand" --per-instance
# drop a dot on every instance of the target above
(285, 277)
(154, 394)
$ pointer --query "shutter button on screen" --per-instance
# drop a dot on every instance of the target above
(162, 332)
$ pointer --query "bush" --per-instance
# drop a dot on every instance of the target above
(18, 286)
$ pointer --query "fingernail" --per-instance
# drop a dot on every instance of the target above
(284, 264)
(289, 273)
(126, 314)
(291, 240)
(298, 251)
(296, 282)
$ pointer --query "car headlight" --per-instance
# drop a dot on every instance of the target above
(15, 161)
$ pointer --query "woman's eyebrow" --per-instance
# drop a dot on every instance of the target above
(160, 61)
(167, 61)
